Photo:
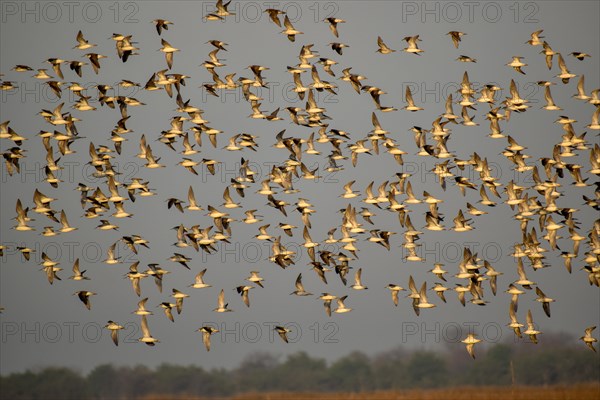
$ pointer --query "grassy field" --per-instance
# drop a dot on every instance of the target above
(578, 392)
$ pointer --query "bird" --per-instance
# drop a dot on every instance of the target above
(470, 341)
(274, 15)
(84, 296)
(161, 24)
(82, 43)
(348, 192)
(114, 329)
(333, 23)
(514, 323)
(595, 124)
(167, 307)
(169, 51)
(412, 45)
(531, 331)
(394, 290)
(581, 90)
(77, 274)
(181, 259)
(309, 244)
(423, 303)
(135, 277)
(56, 62)
(327, 298)
(222, 8)
(410, 102)
(438, 271)
(588, 339)
(357, 281)
(22, 218)
(456, 37)
(517, 64)
(221, 305)
(523, 281)
(579, 55)
(549, 53)
(463, 58)
(300, 291)
(141, 310)
(550, 105)
(255, 278)
(111, 256)
(26, 252)
(439, 290)
(199, 281)
(565, 75)
(146, 336)
(179, 296)
(243, 291)
(338, 47)
(515, 293)
(207, 332)
(282, 331)
(535, 38)
(290, 31)
(383, 48)
(545, 300)
(22, 68)
(341, 308)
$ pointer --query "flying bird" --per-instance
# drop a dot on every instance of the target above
(282, 331)
(221, 305)
(470, 341)
(146, 336)
(456, 37)
(588, 339)
(383, 48)
(333, 23)
(207, 332)
(84, 296)
(413, 47)
(114, 329)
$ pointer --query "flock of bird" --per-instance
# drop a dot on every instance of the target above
(394, 195)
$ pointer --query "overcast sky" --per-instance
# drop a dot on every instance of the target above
(45, 324)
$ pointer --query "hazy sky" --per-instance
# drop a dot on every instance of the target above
(46, 325)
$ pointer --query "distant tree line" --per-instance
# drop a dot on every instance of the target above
(551, 362)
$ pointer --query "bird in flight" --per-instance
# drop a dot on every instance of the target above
(588, 339)
(207, 332)
(470, 341)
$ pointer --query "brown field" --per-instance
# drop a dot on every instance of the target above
(576, 392)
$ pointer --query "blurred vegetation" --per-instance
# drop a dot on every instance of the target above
(554, 361)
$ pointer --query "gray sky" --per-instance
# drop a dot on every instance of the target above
(45, 325)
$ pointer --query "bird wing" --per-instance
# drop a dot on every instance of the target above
(529, 319)
(411, 285)
(221, 299)
(299, 285)
(114, 334)
(287, 23)
(246, 298)
(306, 235)
(145, 329)
(283, 335)
(206, 339)
(357, 277)
(470, 350)
(395, 297)
(76, 267)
